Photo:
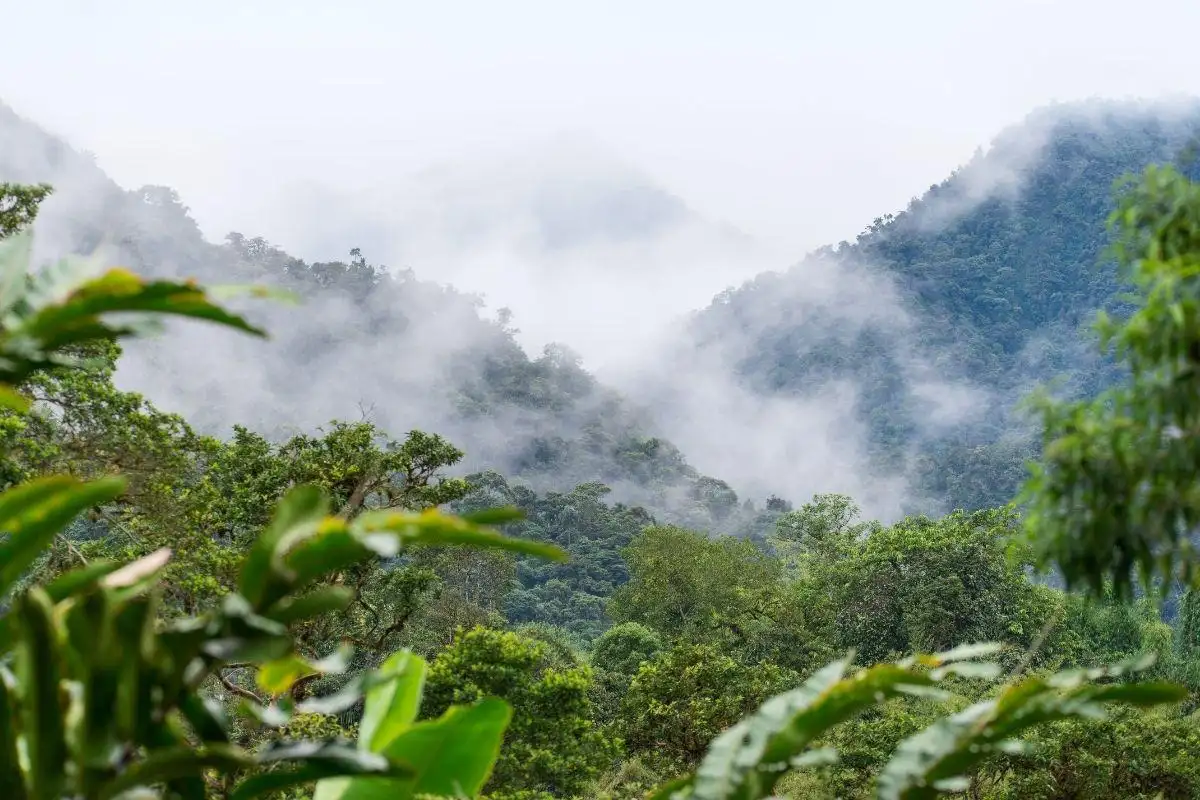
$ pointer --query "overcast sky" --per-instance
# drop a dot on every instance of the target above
(796, 121)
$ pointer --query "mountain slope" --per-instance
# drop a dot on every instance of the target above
(943, 315)
(408, 353)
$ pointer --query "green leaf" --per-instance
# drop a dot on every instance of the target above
(274, 781)
(247, 636)
(79, 580)
(451, 756)
(33, 513)
(268, 783)
(206, 717)
(330, 550)
(335, 754)
(432, 527)
(746, 761)
(954, 746)
(677, 788)
(392, 703)
(138, 575)
(45, 731)
(315, 760)
(173, 763)
(227, 290)
(276, 677)
(319, 601)
(121, 291)
(1143, 695)
(501, 515)
(344, 698)
(299, 513)
(456, 752)
(12, 783)
(13, 400)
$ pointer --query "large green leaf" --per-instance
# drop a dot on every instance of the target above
(174, 763)
(12, 783)
(41, 671)
(432, 527)
(121, 291)
(33, 513)
(500, 515)
(941, 757)
(278, 675)
(46, 311)
(298, 514)
(451, 756)
(332, 549)
(244, 635)
(314, 761)
(322, 600)
(391, 704)
(747, 760)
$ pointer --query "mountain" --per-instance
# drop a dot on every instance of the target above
(941, 317)
(581, 246)
(407, 352)
(887, 368)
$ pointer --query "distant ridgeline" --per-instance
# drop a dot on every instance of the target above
(996, 275)
(946, 314)
(413, 353)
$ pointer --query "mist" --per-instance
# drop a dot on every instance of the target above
(563, 251)
(559, 181)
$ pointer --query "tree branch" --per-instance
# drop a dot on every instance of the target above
(238, 690)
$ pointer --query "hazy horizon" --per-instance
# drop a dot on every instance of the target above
(796, 125)
(600, 171)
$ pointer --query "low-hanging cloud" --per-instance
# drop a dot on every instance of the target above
(583, 250)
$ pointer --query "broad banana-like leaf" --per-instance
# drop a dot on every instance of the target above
(33, 513)
(941, 757)
(391, 705)
(298, 514)
(432, 527)
(41, 671)
(174, 763)
(749, 759)
(451, 756)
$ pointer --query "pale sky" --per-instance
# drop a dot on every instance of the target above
(796, 121)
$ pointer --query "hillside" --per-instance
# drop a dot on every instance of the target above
(943, 316)
(887, 368)
(408, 353)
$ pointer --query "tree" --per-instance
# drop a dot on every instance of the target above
(684, 585)
(19, 204)
(924, 584)
(1114, 498)
(616, 658)
(823, 528)
(684, 697)
(552, 747)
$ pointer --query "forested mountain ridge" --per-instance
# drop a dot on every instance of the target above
(952, 310)
(407, 352)
(939, 319)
